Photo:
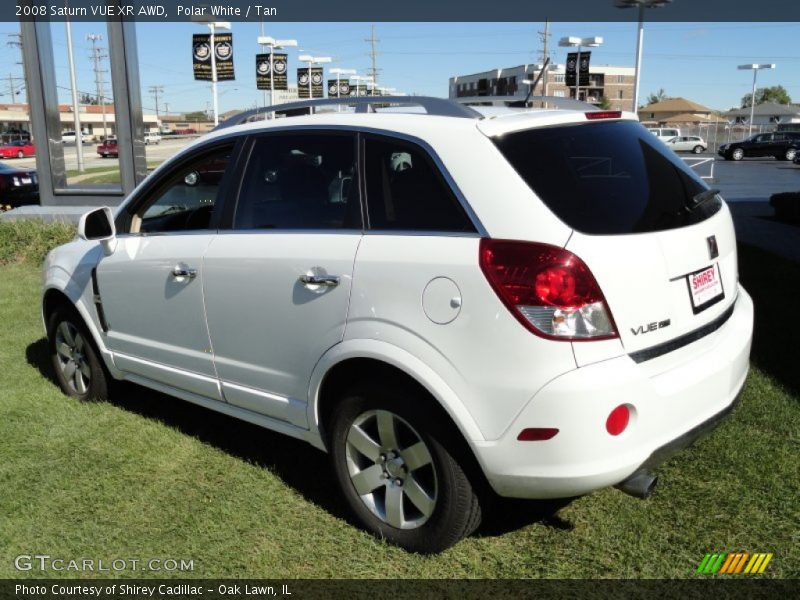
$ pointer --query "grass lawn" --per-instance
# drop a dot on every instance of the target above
(109, 174)
(150, 476)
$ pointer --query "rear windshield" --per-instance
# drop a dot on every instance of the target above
(607, 178)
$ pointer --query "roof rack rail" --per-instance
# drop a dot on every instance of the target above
(433, 106)
(533, 102)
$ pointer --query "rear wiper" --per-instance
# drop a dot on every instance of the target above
(701, 198)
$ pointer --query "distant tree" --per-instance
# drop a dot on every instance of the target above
(659, 96)
(88, 99)
(776, 93)
(604, 103)
(197, 115)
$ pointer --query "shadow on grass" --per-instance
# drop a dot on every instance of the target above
(283, 455)
(774, 284)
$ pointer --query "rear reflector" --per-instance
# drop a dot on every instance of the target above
(604, 114)
(537, 434)
(548, 289)
(618, 420)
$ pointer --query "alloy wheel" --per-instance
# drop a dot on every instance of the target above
(391, 469)
(72, 359)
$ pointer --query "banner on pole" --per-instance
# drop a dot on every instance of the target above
(316, 82)
(274, 71)
(201, 56)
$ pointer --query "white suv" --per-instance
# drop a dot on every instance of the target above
(544, 301)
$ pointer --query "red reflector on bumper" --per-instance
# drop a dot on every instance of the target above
(618, 420)
(537, 434)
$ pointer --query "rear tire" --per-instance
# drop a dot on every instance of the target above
(790, 154)
(396, 472)
(76, 361)
(698, 149)
(20, 154)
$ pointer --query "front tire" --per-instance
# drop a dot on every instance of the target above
(737, 154)
(396, 474)
(790, 154)
(76, 361)
(20, 154)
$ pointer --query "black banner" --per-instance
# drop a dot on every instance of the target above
(359, 90)
(572, 63)
(201, 56)
(316, 82)
(274, 72)
(338, 88)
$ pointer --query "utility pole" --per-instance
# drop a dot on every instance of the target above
(13, 87)
(76, 117)
(155, 90)
(544, 36)
(96, 56)
(374, 55)
(15, 41)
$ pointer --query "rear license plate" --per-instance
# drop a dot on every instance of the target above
(25, 180)
(705, 287)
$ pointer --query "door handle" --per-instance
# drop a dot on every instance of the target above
(180, 271)
(323, 280)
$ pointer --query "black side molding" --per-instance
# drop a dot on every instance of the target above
(683, 340)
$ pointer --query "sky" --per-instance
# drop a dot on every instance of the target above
(694, 60)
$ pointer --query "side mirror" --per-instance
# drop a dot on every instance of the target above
(98, 225)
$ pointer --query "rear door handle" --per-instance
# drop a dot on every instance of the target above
(180, 271)
(323, 280)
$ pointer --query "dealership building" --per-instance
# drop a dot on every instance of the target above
(612, 82)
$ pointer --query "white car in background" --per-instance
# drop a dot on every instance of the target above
(538, 303)
(152, 137)
(687, 143)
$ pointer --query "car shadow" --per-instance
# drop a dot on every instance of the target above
(281, 454)
(768, 279)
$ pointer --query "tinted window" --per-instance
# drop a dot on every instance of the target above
(607, 178)
(300, 182)
(186, 200)
(406, 191)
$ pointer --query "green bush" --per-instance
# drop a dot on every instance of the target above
(29, 240)
(787, 206)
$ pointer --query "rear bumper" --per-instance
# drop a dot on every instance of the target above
(674, 400)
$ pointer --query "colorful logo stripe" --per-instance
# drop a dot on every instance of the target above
(734, 563)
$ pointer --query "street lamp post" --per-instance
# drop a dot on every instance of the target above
(313, 60)
(273, 45)
(755, 69)
(641, 4)
(578, 42)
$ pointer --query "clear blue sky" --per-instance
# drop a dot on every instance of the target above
(694, 60)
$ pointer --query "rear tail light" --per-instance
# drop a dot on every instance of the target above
(548, 289)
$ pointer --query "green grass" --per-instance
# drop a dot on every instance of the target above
(146, 475)
(30, 240)
(105, 174)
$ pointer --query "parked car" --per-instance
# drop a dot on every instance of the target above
(781, 145)
(18, 186)
(108, 148)
(478, 312)
(185, 131)
(687, 143)
(19, 149)
(797, 158)
(152, 137)
(69, 137)
(664, 133)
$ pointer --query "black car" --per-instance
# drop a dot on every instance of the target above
(783, 145)
(18, 186)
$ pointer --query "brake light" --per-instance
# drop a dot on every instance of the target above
(604, 114)
(548, 289)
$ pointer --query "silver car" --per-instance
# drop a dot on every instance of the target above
(687, 143)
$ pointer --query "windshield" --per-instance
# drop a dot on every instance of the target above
(607, 178)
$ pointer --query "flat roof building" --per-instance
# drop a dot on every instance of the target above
(612, 82)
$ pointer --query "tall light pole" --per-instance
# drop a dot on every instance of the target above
(272, 44)
(76, 116)
(97, 56)
(641, 5)
(313, 60)
(579, 43)
(755, 69)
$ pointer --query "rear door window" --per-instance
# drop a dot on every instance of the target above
(607, 178)
(406, 191)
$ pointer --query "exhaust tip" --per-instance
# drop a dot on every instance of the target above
(639, 485)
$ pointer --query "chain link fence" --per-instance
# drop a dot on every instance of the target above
(719, 133)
